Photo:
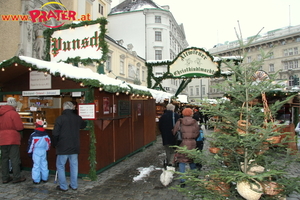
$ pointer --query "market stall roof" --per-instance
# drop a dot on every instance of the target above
(85, 75)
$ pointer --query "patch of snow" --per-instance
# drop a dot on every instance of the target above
(144, 172)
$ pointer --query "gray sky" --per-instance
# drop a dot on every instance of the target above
(209, 22)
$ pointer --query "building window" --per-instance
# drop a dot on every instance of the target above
(158, 55)
(108, 63)
(271, 68)
(249, 59)
(271, 55)
(143, 75)
(285, 65)
(291, 64)
(295, 50)
(203, 90)
(167, 88)
(121, 66)
(157, 36)
(131, 73)
(158, 74)
(259, 57)
(191, 91)
(100, 9)
(157, 19)
(197, 91)
(291, 81)
(298, 39)
(137, 75)
(296, 64)
(290, 51)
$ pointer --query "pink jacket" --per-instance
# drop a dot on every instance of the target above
(190, 131)
(10, 124)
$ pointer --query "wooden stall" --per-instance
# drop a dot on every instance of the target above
(123, 123)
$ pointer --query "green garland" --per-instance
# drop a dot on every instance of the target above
(89, 98)
(104, 47)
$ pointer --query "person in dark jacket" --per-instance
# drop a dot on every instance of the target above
(10, 141)
(190, 131)
(38, 144)
(166, 124)
(66, 141)
(196, 115)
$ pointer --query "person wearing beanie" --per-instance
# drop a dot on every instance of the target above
(10, 141)
(38, 144)
(66, 141)
(165, 125)
(189, 131)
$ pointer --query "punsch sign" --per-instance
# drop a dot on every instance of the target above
(81, 41)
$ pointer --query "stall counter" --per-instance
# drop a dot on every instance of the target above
(49, 127)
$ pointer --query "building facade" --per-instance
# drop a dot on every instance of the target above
(283, 47)
(152, 31)
(20, 36)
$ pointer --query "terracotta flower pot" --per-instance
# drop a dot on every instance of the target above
(214, 149)
(271, 188)
(275, 139)
(263, 148)
(240, 150)
(218, 186)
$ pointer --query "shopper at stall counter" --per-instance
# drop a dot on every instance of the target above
(66, 141)
(38, 144)
(190, 131)
(10, 141)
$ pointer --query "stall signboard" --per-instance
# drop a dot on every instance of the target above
(41, 93)
(105, 105)
(76, 94)
(87, 111)
(81, 41)
(123, 107)
(193, 63)
(38, 80)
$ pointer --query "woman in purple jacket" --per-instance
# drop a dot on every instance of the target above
(190, 131)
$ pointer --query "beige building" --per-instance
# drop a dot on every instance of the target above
(20, 36)
(283, 45)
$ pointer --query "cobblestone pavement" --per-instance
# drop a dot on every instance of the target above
(113, 184)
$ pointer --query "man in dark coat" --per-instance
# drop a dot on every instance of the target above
(166, 124)
(66, 140)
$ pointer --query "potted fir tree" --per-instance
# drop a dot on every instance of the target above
(250, 159)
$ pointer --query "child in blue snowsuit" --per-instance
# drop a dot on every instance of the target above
(38, 144)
